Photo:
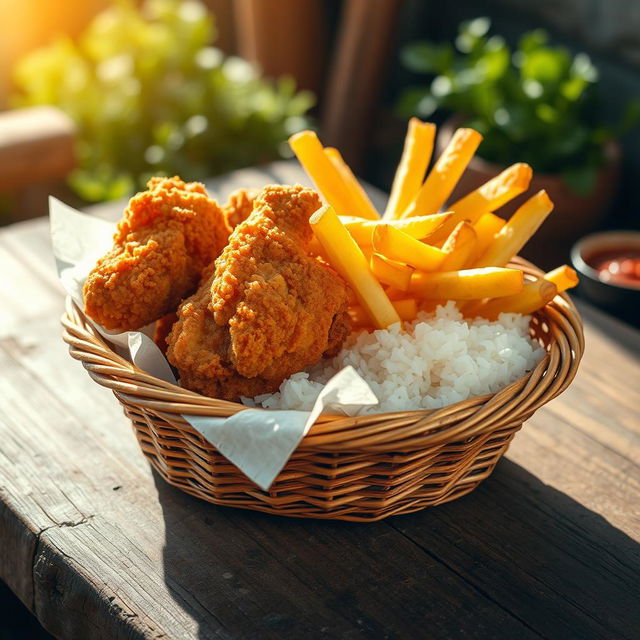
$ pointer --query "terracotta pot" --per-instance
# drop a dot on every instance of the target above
(573, 215)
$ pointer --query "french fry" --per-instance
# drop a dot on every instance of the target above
(419, 227)
(391, 273)
(430, 305)
(348, 220)
(445, 174)
(407, 309)
(490, 196)
(395, 294)
(468, 284)
(486, 228)
(397, 245)
(563, 277)
(458, 247)
(534, 296)
(416, 155)
(348, 260)
(359, 317)
(357, 193)
(517, 231)
(315, 248)
(367, 252)
(321, 170)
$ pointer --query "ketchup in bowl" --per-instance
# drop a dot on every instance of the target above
(609, 266)
(619, 266)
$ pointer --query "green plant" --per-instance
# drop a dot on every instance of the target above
(535, 104)
(151, 96)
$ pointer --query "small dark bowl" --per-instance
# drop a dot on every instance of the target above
(618, 299)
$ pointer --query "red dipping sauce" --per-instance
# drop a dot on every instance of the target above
(618, 266)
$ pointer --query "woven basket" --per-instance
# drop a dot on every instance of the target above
(363, 468)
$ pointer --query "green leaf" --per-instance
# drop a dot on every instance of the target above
(486, 100)
(494, 62)
(532, 89)
(478, 27)
(572, 141)
(441, 87)
(121, 186)
(547, 113)
(581, 180)
(471, 34)
(424, 57)
(416, 102)
(573, 88)
(630, 118)
(533, 40)
(149, 93)
(582, 67)
(545, 65)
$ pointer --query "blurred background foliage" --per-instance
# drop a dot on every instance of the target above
(350, 59)
(151, 95)
(533, 103)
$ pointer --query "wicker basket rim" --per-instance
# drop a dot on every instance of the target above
(136, 386)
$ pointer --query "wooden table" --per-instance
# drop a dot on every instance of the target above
(97, 546)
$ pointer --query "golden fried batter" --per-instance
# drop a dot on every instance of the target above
(268, 310)
(167, 235)
(239, 206)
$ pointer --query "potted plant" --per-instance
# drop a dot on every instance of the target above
(535, 104)
(150, 95)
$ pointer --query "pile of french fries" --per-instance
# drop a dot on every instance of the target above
(414, 256)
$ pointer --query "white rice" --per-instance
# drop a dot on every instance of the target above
(440, 358)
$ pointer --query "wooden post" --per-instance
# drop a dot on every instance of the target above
(283, 37)
(223, 12)
(356, 75)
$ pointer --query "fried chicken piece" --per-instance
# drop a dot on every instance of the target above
(198, 348)
(239, 207)
(162, 329)
(268, 310)
(167, 235)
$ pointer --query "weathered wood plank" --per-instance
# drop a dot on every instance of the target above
(604, 401)
(14, 304)
(19, 540)
(597, 477)
(381, 584)
(64, 483)
(30, 244)
(561, 569)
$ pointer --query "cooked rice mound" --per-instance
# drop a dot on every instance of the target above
(441, 358)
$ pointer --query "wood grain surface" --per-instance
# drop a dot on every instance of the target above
(97, 546)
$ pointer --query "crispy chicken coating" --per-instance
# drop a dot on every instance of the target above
(239, 206)
(168, 234)
(267, 311)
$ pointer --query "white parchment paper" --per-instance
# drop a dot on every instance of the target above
(258, 441)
